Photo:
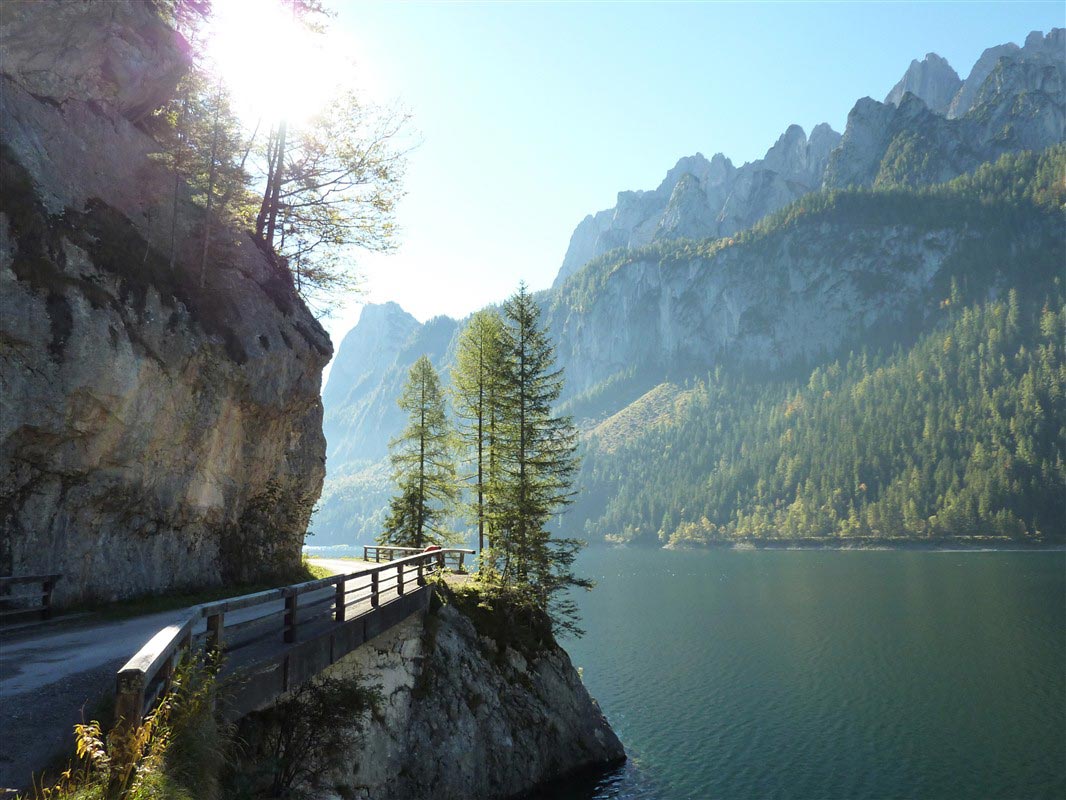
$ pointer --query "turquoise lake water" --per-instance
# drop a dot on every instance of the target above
(828, 674)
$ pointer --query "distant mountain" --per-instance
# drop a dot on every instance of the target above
(1020, 104)
(371, 365)
(1021, 107)
(700, 198)
(830, 244)
(932, 79)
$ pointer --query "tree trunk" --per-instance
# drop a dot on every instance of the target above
(210, 188)
(275, 189)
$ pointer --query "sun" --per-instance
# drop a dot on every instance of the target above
(274, 67)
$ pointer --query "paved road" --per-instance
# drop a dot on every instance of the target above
(61, 674)
(34, 658)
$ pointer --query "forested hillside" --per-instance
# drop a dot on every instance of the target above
(922, 214)
(962, 435)
(832, 272)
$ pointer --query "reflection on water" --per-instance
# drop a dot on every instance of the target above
(828, 674)
(817, 675)
(625, 782)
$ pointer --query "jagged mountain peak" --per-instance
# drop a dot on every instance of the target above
(982, 68)
(369, 348)
(374, 313)
(789, 153)
(1049, 48)
(932, 79)
(715, 171)
(702, 198)
(1051, 43)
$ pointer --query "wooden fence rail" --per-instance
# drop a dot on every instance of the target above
(286, 616)
(374, 552)
(15, 605)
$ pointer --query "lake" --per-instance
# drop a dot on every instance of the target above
(828, 674)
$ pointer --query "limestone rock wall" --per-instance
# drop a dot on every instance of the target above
(462, 718)
(158, 428)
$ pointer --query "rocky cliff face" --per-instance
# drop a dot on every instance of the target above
(700, 198)
(780, 302)
(464, 716)
(932, 79)
(1013, 99)
(160, 428)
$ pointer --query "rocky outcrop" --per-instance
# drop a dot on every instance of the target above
(1014, 99)
(932, 79)
(464, 715)
(963, 99)
(160, 427)
(120, 55)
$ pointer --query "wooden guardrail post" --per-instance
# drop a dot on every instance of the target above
(421, 580)
(375, 589)
(399, 579)
(129, 698)
(215, 637)
(46, 597)
(338, 610)
(290, 617)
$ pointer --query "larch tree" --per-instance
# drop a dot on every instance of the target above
(535, 453)
(423, 465)
(475, 391)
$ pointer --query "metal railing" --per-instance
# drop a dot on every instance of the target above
(228, 625)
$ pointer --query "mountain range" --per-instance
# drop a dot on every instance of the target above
(831, 244)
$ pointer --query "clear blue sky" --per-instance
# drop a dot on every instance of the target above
(532, 115)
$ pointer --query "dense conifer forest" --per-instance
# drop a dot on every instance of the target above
(958, 431)
(961, 435)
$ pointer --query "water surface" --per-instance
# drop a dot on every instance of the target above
(828, 674)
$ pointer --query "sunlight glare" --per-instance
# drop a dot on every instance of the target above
(273, 66)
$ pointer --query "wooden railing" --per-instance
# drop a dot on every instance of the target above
(15, 605)
(288, 615)
(374, 552)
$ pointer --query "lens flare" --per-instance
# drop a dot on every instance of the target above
(274, 66)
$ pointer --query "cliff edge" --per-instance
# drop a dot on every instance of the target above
(161, 423)
(468, 710)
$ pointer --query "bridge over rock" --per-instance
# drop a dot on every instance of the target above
(486, 716)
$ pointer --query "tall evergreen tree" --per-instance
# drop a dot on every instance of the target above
(536, 461)
(475, 387)
(423, 465)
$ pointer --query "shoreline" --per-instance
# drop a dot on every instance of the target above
(959, 545)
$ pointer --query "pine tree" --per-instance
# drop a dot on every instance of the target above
(475, 388)
(423, 465)
(536, 461)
